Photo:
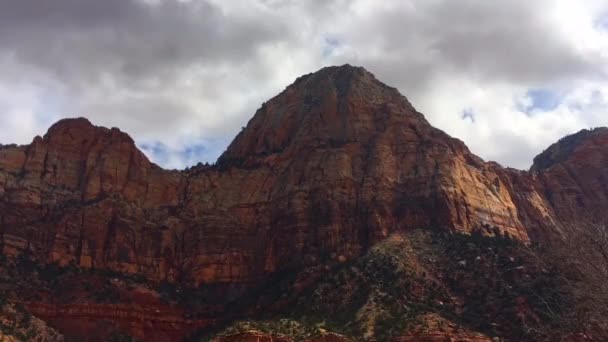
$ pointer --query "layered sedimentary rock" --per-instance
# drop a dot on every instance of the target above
(566, 185)
(334, 164)
(325, 169)
(574, 175)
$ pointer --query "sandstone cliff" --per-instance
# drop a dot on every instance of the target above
(334, 164)
(330, 166)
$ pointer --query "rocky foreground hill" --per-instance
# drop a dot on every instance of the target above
(338, 213)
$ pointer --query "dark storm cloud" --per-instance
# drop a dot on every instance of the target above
(130, 40)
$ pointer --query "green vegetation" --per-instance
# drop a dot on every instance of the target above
(492, 285)
(15, 321)
(283, 327)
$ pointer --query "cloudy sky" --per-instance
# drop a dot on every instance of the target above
(182, 77)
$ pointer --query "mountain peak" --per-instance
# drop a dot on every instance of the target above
(343, 78)
(336, 173)
(335, 71)
(583, 142)
(333, 106)
(81, 129)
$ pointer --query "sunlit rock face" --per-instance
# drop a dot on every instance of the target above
(324, 170)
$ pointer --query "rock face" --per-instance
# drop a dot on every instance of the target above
(566, 185)
(573, 174)
(330, 166)
(67, 197)
(584, 146)
(324, 170)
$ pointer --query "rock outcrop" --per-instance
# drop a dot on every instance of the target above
(323, 171)
(573, 174)
(330, 166)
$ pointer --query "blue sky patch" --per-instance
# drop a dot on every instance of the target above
(196, 153)
(543, 100)
(329, 46)
(156, 151)
(601, 23)
(202, 151)
(468, 114)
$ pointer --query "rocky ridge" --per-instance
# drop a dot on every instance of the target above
(328, 168)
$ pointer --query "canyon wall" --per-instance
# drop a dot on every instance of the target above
(324, 170)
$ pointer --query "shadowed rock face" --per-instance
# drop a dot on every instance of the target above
(573, 176)
(586, 145)
(327, 168)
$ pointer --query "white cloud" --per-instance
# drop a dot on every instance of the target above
(184, 76)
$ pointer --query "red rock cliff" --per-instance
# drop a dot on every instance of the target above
(325, 169)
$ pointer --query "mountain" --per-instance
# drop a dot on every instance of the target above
(336, 164)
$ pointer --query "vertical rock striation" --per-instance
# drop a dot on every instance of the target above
(330, 166)
(334, 164)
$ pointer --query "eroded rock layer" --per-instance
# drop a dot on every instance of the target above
(332, 165)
